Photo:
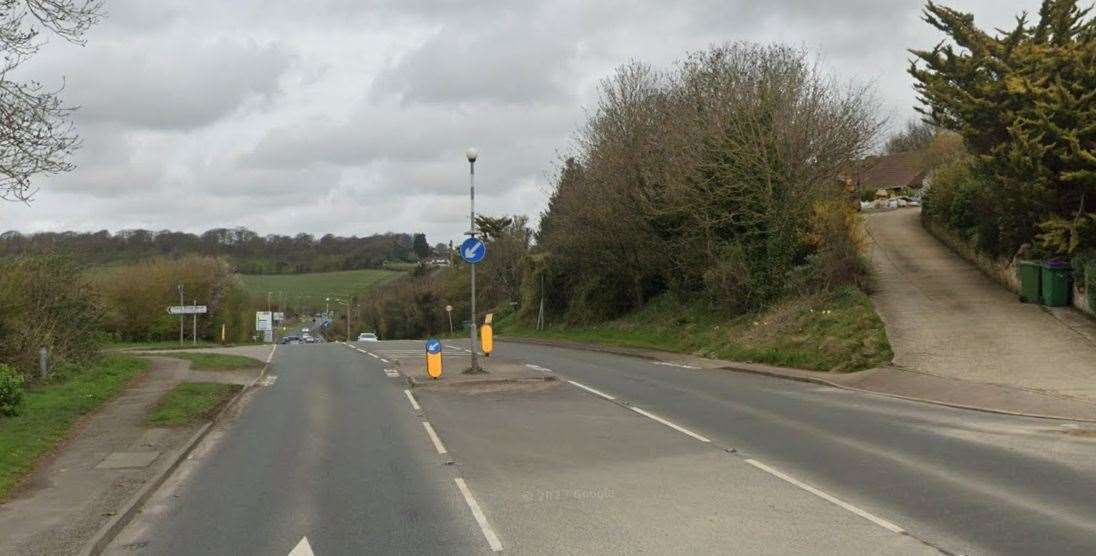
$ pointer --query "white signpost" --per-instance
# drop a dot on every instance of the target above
(187, 310)
(264, 322)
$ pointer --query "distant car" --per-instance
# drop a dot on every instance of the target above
(291, 340)
(305, 331)
(367, 337)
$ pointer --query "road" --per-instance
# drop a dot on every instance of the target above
(678, 461)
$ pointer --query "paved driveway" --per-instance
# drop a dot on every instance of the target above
(944, 317)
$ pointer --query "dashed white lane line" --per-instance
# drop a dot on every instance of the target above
(593, 391)
(669, 424)
(492, 538)
(383, 360)
(872, 518)
(411, 398)
(538, 368)
(373, 355)
(434, 438)
(391, 373)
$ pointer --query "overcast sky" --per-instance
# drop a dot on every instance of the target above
(352, 116)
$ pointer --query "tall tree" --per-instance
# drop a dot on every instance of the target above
(420, 246)
(36, 136)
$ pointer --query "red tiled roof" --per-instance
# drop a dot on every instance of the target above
(889, 171)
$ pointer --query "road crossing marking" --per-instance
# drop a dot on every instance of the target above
(876, 520)
(411, 398)
(669, 424)
(538, 368)
(302, 548)
(434, 438)
(391, 373)
(492, 539)
(593, 391)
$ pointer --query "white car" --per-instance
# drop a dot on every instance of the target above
(367, 337)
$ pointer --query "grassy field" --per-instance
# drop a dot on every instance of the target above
(217, 361)
(834, 332)
(317, 284)
(191, 402)
(49, 411)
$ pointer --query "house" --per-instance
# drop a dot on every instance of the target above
(905, 170)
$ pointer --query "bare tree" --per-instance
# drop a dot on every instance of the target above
(36, 135)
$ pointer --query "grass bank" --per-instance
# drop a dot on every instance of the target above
(217, 361)
(833, 332)
(191, 402)
(317, 285)
(49, 411)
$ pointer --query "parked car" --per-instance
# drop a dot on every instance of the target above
(367, 337)
(291, 340)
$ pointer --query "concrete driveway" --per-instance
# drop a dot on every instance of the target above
(944, 317)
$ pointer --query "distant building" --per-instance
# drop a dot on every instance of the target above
(891, 172)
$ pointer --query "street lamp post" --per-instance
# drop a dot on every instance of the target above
(471, 154)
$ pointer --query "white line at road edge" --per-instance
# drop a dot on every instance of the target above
(876, 520)
(477, 513)
(434, 438)
(302, 548)
(669, 424)
(592, 391)
(538, 368)
(271, 355)
(411, 398)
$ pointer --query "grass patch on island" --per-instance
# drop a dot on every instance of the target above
(830, 331)
(48, 412)
(217, 361)
(191, 402)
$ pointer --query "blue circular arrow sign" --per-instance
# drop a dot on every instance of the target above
(433, 345)
(472, 250)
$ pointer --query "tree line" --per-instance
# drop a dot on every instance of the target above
(248, 252)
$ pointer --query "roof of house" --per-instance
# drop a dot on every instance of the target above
(890, 171)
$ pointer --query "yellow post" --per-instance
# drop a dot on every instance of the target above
(433, 365)
(222, 332)
(486, 340)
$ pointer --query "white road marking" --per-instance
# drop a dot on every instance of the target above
(538, 368)
(271, 356)
(383, 360)
(434, 438)
(592, 391)
(302, 548)
(678, 365)
(373, 355)
(876, 520)
(268, 380)
(411, 398)
(669, 424)
(492, 538)
(391, 373)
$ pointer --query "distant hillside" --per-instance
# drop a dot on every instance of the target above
(249, 252)
(317, 285)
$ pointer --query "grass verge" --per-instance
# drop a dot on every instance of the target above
(832, 331)
(217, 361)
(49, 411)
(191, 402)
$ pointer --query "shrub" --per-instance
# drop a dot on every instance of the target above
(11, 391)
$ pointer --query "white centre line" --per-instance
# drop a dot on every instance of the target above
(593, 391)
(492, 539)
(434, 438)
(876, 520)
(411, 398)
(669, 424)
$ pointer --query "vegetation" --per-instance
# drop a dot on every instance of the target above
(44, 303)
(834, 331)
(191, 402)
(1024, 103)
(916, 136)
(11, 391)
(311, 289)
(246, 251)
(49, 411)
(217, 361)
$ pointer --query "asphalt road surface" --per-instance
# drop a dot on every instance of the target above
(619, 455)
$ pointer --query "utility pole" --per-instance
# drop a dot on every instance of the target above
(181, 317)
(348, 299)
(194, 331)
(471, 155)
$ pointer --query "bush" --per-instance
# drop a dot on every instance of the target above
(11, 391)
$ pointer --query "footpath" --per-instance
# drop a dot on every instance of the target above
(107, 460)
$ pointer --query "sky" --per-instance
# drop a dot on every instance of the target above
(352, 116)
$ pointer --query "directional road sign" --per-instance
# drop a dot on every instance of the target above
(472, 250)
(187, 310)
(433, 346)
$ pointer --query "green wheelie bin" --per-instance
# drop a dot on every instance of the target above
(1056, 283)
(1030, 283)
